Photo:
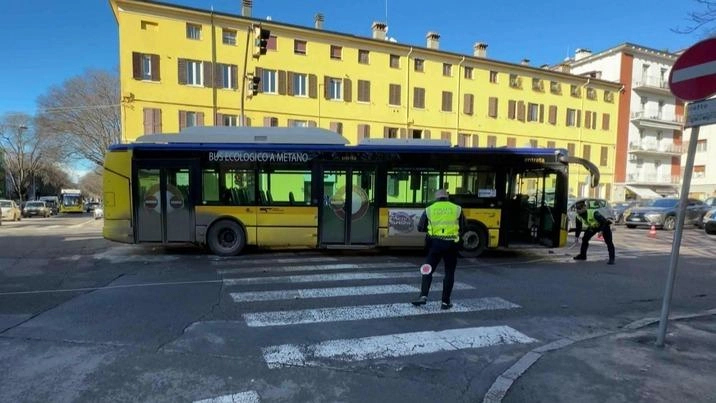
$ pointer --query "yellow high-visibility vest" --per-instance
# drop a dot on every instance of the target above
(444, 220)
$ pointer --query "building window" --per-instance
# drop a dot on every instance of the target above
(492, 107)
(363, 91)
(145, 66)
(419, 98)
(152, 120)
(447, 69)
(515, 81)
(537, 85)
(701, 145)
(193, 31)
(363, 56)
(300, 84)
(468, 73)
(271, 44)
(551, 144)
(591, 94)
(492, 141)
(699, 171)
(493, 77)
(575, 91)
(570, 149)
(447, 101)
(336, 52)
(532, 112)
(228, 36)
(335, 89)
(608, 96)
(299, 47)
(194, 72)
(605, 121)
(227, 78)
(587, 152)
(268, 81)
(571, 117)
(149, 26)
(462, 139)
(189, 119)
(511, 109)
(395, 61)
(511, 142)
(419, 65)
(469, 102)
(555, 88)
(390, 132)
(604, 157)
(229, 120)
(394, 94)
(363, 131)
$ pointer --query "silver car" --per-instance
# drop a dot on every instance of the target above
(10, 210)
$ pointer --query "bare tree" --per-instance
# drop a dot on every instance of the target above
(26, 151)
(701, 19)
(85, 111)
(91, 183)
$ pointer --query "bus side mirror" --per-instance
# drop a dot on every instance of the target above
(415, 181)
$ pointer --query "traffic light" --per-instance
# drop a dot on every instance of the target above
(261, 37)
(254, 82)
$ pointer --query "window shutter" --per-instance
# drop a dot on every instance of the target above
(511, 107)
(234, 76)
(259, 72)
(347, 90)
(208, 71)
(521, 111)
(553, 114)
(605, 121)
(137, 65)
(200, 119)
(426, 134)
(182, 120)
(326, 83)
(311, 123)
(148, 121)
(267, 121)
(468, 104)
(403, 133)
(289, 82)
(219, 119)
(155, 68)
(289, 122)
(157, 120)
(182, 72)
(579, 118)
(511, 142)
(281, 82)
(386, 131)
(247, 122)
(312, 86)
(541, 113)
(219, 76)
(333, 126)
(588, 119)
(492, 109)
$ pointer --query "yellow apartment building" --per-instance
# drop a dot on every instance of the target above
(182, 66)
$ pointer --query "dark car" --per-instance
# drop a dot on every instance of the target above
(709, 222)
(36, 208)
(89, 207)
(709, 204)
(620, 208)
(661, 213)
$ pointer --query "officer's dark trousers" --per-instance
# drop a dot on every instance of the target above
(606, 231)
(447, 251)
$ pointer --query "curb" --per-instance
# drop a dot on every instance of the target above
(504, 382)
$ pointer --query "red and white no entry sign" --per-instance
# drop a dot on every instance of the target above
(693, 76)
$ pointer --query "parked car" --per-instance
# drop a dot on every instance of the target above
(661, 213)
(10, 210)
(98, 212)
(36, 208)
(710, 203)
(604, 207)
(90, 206)
(620, 208)
(709, 222)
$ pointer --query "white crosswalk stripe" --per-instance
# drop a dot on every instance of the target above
(346, 266)
(310, 278)
(393, 345)
(243, 397)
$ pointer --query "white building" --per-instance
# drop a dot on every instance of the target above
(650, 123)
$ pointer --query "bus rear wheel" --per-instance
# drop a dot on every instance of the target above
(473, 241)
(226, 238)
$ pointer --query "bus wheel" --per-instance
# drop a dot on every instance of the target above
(474, 241)
(226, 238)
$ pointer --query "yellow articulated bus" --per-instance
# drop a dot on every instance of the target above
(229, 187)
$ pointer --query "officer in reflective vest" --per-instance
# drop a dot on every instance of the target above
(596, 222)
(444, 222)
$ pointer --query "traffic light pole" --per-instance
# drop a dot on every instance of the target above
(249, 35)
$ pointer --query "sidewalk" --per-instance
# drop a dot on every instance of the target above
(623, 366)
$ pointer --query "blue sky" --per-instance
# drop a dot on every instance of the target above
(49, 41)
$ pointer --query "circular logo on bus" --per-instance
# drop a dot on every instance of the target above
(176, 202)
(359, 203)
(150, 202)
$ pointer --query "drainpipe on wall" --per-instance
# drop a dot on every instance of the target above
(457, 105)
(407, 97)
(213, 63)
(581, 125)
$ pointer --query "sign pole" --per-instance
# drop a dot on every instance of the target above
(673, 263)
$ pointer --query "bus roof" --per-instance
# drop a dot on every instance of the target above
(248, 135)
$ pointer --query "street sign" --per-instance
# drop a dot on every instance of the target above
(701, 113)
(693, 76)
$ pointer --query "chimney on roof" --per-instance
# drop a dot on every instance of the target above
(433, 40)
(318, 21)
(480, 49)
(581, 54)
(525, 62)
(246, 8)
(379, 30)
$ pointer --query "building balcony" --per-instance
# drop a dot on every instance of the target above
(671, 150)
(652, 85)
(653, 179)
(657, 120)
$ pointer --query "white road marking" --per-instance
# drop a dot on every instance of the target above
(341, 266)
(243, 397)
(334, 292)
(310, 278)
(239, 261)
(393, 345)
(362, 312)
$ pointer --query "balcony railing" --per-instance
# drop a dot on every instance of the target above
(657, 116)
(652, 82)
(654, 178)
(656, 148)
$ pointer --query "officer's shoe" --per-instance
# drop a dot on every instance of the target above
(422, 300)
(610, 261)
(580, 257)
(445, 305)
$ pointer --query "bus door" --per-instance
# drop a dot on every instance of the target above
(163, 206)
(347, 213)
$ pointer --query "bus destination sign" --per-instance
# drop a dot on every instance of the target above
(257, 156)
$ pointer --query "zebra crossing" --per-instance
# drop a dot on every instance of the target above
(322, 301)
